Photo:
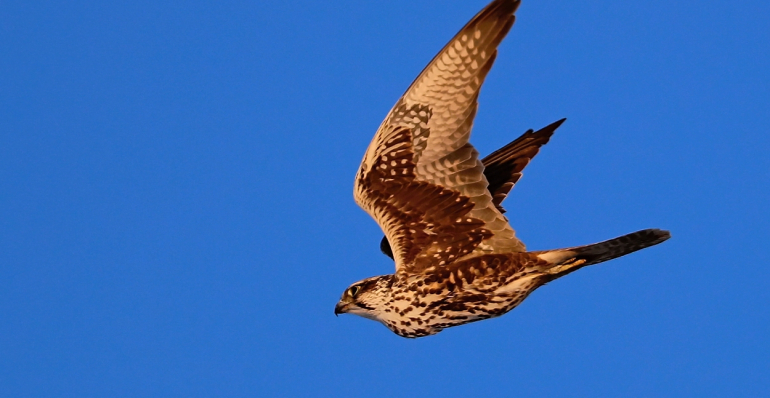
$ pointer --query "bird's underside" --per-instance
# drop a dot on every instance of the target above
(457, 258)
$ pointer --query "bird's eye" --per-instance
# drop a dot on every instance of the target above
(353, 291)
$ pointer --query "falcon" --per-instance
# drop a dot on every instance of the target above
(457, 258)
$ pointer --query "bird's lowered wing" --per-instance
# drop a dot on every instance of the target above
(503, 167)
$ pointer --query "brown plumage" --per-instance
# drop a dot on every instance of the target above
(457, 258)
(503, 167)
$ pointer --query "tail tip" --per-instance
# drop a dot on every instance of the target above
(660, 235)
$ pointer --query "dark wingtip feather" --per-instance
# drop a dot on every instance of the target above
(555, 125)
(530, 138)
(504, 166)
(385, 248)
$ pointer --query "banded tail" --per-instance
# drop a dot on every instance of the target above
(571, 259)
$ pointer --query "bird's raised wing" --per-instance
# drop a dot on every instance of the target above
(420, 178)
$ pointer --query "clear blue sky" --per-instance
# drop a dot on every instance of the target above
(176, 212)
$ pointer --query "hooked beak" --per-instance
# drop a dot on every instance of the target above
(340, 308)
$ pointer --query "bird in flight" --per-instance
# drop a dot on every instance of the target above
(457, 258)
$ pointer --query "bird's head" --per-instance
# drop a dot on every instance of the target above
(366, 298)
